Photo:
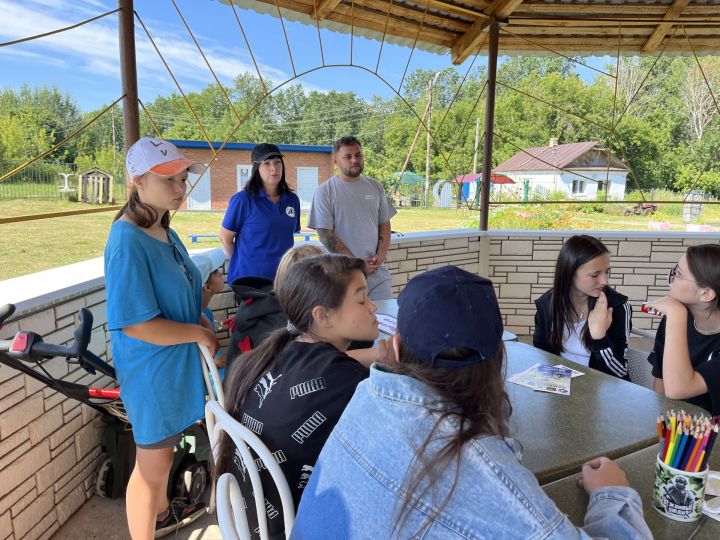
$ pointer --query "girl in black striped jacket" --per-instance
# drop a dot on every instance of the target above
(581, 318)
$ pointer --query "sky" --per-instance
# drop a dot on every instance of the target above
(85, 61)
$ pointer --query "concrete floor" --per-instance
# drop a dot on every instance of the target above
(104, 519)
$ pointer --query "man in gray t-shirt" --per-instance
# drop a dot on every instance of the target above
(352, 216)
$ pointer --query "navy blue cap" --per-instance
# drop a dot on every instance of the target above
(446, 308)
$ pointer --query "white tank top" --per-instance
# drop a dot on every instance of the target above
(574, 348)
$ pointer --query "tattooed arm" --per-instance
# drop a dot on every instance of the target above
(383, 241)
(332, 243)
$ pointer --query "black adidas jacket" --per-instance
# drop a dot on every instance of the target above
(608, 354)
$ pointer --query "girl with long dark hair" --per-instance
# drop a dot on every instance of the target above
(686, 356)
(422, 449)
(260, 219)
(581, 318)
(292, 389)
(154, 306)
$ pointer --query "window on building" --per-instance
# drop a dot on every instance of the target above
(578, 186)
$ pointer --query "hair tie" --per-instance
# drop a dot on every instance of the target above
(292, 329)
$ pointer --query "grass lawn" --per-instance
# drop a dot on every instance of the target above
(33, 246)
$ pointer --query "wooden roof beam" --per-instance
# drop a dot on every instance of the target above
(471, 39)
(503, 8)
(324, 7)
(661, 30)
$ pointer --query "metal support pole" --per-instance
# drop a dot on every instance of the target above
(128, 72)
(494, 30)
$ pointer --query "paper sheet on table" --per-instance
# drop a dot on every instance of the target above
(575, 372)
(544, 378)
(386, 323)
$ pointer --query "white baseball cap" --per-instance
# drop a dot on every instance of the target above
(208, 261)
(157, 156)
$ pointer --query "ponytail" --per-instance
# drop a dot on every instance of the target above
(243, 374)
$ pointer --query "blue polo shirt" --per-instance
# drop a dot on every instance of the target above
(264, 232)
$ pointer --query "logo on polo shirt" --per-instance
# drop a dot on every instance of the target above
(290, 211)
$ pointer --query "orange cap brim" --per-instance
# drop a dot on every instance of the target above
(171, 168)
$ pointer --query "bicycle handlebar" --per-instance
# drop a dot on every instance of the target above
(5, 312)
(40, 350)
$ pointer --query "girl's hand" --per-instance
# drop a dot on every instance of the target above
(208, 338)
(600, 318)
(386, 353)
(204, 321)
(669, 306)
(601, 472)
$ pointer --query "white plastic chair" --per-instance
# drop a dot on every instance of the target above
(213, 383)
(232, 518)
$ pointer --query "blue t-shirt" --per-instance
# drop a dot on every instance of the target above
(162, 387)
(264, 232)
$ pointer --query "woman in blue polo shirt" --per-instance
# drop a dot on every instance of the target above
(260, 220)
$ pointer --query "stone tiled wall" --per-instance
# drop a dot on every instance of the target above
(50, 445)
(416, 253)
(521, 265)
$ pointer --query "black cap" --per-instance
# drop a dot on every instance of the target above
(263, 151)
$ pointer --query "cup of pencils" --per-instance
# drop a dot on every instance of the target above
(682, 464)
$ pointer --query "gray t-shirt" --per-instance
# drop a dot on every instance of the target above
(353, 210)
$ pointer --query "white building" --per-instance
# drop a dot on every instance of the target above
(581, 170)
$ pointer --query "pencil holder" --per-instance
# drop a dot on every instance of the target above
(678, 494)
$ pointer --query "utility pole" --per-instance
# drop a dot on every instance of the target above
(427, 146)
(477, 143)
(114, 143)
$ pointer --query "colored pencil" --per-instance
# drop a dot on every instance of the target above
(666, 444)
(695, 463)
(694, 453)
(673, 441)
(681, 447)
(709, 447)
(688, 450)
(686, 440)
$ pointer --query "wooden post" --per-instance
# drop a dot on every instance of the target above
(489, 124)
(128, 72)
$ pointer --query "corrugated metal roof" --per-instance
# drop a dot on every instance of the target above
(546, 158)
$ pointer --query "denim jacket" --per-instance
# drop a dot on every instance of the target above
(356, 486)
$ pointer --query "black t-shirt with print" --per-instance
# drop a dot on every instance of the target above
(704, 357)
(293, 409)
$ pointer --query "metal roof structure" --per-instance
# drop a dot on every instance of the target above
(571, 27)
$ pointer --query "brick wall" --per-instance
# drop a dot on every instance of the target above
(223, 174)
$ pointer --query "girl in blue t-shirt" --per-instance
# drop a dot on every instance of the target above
(260, 220)
(154, 304)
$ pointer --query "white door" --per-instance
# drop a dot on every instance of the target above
(200, 198)
(307, 182)
(243, 175)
